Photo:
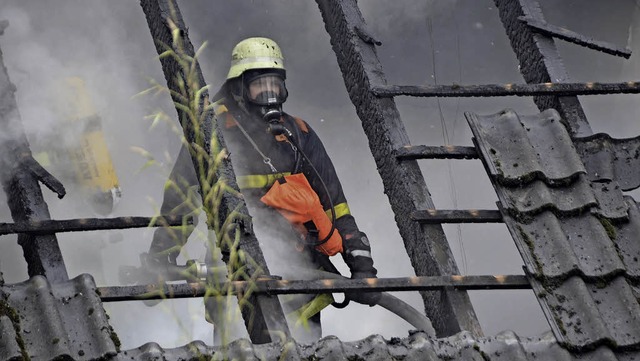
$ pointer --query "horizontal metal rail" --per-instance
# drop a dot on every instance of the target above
(575, 38)
(91, 224)
(500, 90)
(279, 287)
(436, 152)
(437, 216)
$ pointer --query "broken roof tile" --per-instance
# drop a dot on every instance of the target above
(64, 321)
(607, 158)
(519, 149)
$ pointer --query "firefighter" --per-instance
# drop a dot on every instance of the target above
(285, 175)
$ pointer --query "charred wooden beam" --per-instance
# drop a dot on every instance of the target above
(281, 287)
(44, 176)
(438, 216)
(540, 61)
(575, 38)
(24, 195)
(91, 224)
(449, 309)
(502, 90)
(165, 21)
(436, 152)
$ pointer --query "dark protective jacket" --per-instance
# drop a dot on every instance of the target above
(255, 178)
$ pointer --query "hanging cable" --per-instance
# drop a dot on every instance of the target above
(445, 136)
(265, 159)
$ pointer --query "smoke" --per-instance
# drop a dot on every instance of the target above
(393, 21)
(423, 43)
(111, 50)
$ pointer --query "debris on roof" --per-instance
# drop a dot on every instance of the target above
(67, 321)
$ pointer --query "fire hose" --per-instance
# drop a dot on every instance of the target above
(387, 301)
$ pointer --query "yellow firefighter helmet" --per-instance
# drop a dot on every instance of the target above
(255, 53)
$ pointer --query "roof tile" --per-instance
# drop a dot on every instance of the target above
(10, 349)
(610, 201)
(626, 240)
(506, 346)
(607, 159)
(519, 149)
(581, 255)
(595, 319)
(559, 247)
(537, 196)
(75, 320)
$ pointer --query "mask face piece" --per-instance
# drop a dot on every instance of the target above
(264, 93)
(267, 89)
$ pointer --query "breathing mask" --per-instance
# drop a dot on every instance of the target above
(264, 93)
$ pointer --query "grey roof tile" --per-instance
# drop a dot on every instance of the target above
(555, 247)
(519, 149)
(628, 356)
(10, 349)
(537, 197)
(64, 312)
(610, 201)
(607, 158)
(581, 255)
(67, 320)
(506, 346)
(537, 151)
(607, 312)
(626, 239)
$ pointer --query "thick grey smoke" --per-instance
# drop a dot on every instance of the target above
(108, 44)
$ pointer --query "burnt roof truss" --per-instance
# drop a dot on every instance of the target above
(559, 189)
(20, 183)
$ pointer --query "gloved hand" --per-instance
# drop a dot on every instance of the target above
(357, 256)
(366, 298)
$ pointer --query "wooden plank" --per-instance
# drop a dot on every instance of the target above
(436, 152)
(91, 224)
(439, 216)
(540, 62)
(266, 316)
(450, 310)
(503, 90)
(575, 38)
(281, 287)
(24, 196)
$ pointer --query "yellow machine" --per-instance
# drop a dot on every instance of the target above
(76, 151)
